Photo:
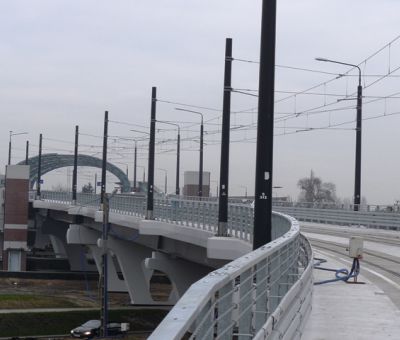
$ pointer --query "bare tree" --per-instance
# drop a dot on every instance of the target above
(314, 190)
(88, 188)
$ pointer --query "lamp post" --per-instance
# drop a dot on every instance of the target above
(178, 153)
(135, 158)
(9, 143)
(144, 172)
(357, 179)
(245, 190)
(201, 148)
(165, 178)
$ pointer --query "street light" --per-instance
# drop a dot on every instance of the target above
(357, 180)
(245, 190)
(166, 178)
(9, 143)
(135, 158)
(178, 152)
(201, 148)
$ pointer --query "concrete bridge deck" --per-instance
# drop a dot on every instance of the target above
(350, 311)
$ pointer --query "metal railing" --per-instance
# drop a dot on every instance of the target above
(196, 214)
(370, 219)
(265, 294)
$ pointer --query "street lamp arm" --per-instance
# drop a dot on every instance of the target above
(146, 133)
(342, 63)
(169, 123)
(185, 110)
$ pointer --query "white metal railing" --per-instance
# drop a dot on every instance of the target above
(371, 219)
(197, 214)
(265, 294)
(204, 214)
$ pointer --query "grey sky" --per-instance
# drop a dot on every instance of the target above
(63, 63)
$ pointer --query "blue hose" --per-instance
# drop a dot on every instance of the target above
(341, 274)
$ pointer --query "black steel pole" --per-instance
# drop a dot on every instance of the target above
(265, 129)
(201, 159)
(75, 172)
(95, 183)
(150, 171)
(224, 168)
(39, 177)
(104, 267)
(357, 183)
(166, 179)
(135, 168)
(27, 153)
(9, 150)
(104, 161)
(178, 156)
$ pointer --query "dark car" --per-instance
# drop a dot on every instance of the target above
(91, 329)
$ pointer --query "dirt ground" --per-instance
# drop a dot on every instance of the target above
(81, 293)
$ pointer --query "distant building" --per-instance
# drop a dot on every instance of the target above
(191, 183)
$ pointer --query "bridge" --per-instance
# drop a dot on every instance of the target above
(221, 288)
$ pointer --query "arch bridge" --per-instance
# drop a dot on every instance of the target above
(53, 161)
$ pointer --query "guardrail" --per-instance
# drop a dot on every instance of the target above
(265, 294)
(197, 214)
(370, 219)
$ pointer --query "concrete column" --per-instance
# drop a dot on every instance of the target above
(81, 235)
(182, 273)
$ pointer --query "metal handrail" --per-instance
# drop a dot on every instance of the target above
(243, 297)
(255, 296)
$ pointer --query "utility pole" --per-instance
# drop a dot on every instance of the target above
(104, 266)
(224, 169)
(150, 171)
(201, 159)
(75, 172)
(95, 183)
(200, 190)
(134, 168)
(39, 177)
(178, 148)
(104, 161)
(105, 206)
(178, 153)
(265, 129)
(357, 177)
(27, 153)
(357, 184)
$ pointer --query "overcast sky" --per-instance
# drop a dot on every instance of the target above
(63, 63)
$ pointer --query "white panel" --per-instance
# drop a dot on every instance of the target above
(15, 245)
(17, 171)
(16, 226)
(14, 261)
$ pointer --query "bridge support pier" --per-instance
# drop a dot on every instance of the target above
(57, 231)
(182, 273)
(80, 235)
(130, 258)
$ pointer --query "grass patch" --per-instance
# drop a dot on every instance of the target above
(27, 301)
(26, 324)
